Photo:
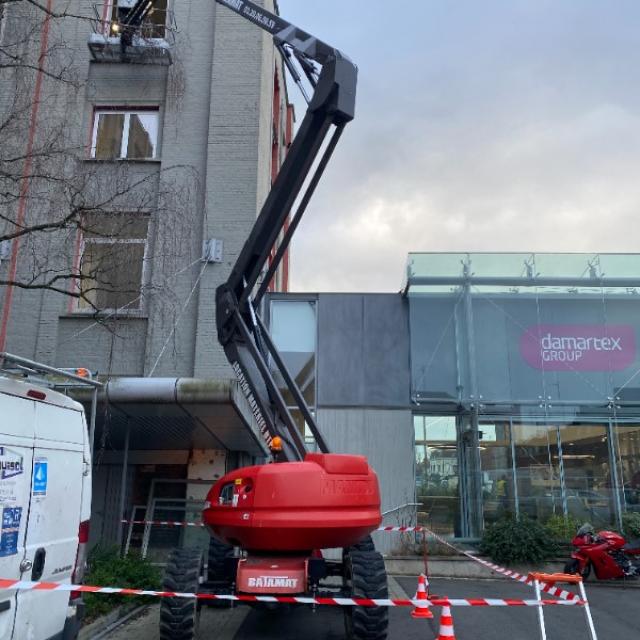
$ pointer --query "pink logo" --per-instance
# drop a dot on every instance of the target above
(579, 347)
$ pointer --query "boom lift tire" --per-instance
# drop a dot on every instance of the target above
(366, 544)
(218, 551)
(178, 616)
(365, 576)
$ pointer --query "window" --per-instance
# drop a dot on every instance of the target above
(437, 490)
(293, 330)
(124, 134)
(112, 261)
(154, 23)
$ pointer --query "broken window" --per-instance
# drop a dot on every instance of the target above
(112, 261)
(124, 134)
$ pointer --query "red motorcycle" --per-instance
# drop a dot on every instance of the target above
(610, 555)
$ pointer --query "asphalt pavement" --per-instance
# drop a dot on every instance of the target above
(616, 612)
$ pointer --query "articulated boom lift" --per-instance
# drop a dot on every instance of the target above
(269, 522)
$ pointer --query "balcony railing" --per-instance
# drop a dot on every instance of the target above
(150, 43)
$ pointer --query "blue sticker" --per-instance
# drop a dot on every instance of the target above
(11, 517)
(40, 476)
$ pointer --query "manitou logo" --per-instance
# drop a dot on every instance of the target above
(273, 582)
(579, 347)
(234, 4)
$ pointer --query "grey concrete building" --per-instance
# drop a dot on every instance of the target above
(162, 153)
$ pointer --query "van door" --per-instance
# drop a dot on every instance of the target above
(54, 518)
(16, 457)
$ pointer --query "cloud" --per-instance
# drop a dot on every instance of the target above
(520, 132)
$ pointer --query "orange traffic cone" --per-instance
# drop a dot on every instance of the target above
(446, 625)
(422, 611)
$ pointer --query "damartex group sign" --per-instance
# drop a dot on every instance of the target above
(567, 347)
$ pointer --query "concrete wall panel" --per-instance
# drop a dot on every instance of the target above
(363, 350)
(386, 438)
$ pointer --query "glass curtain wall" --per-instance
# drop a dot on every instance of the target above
(628, 460)
(540, 353)
(545, 469)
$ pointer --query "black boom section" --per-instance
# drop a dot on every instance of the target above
(240, 332)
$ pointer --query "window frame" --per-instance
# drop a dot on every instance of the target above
(127, 112)
(75, 303)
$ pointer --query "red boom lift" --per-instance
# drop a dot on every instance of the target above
(269, 522)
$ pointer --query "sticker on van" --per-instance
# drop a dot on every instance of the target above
(40, 476)
(10, 463)
(10, 531)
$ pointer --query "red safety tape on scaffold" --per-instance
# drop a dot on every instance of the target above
(514, 575)
(24, 585)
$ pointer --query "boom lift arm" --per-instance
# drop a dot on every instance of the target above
(241, 331)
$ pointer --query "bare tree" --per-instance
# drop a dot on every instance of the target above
(72, 220)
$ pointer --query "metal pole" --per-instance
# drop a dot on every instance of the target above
(618, 487)
(123, 486)
(516, 499)
(543, 631)
(587, 611)
(92, 419)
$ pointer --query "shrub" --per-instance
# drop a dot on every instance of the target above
(631, 524)
(562, 529)
(517, 540)
(107, 568)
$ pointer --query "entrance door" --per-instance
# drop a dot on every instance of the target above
(587, 473)
(537, 467)
(437, 475)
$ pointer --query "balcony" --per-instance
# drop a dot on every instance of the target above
(150, 43)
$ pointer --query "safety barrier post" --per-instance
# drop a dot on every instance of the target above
(543, 631)
(587, 611)
(554, 578)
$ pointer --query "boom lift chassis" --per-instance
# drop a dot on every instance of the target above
(332, 77)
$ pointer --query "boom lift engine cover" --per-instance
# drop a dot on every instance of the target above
(328, 500)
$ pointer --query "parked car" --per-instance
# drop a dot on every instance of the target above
(45, 497)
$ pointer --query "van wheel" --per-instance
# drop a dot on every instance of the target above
(365, 577)
(178, 616)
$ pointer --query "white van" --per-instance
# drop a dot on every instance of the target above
(45, 497)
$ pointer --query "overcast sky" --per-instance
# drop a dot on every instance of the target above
(481, 126)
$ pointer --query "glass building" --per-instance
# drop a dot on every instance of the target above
(519, 374)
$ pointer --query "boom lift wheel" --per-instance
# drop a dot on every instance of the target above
(179, 616)
(218, 552)
(217, 569)
(365, 576)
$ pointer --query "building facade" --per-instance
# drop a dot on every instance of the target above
(160, 144)
(494, 383)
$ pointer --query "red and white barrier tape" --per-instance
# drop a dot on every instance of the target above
(514, 575)
(24, 585)
(164, 523)
(182, 523)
